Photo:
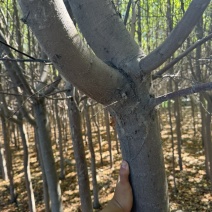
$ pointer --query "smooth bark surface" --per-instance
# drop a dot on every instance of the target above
(142, 149)
(96, 203)
(68, 53)
(44, 180)
(106, 33)
(27, 173)
(8, 156)
(107, 123)
(60, 143)
(47, 157)
(79, 152)
(208, 132)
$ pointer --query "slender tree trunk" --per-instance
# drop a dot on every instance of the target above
(98, 134)
(54, 122)
(203, 134)
(27, 173)
(178, 130)
(133, 21)
(79, 152)
(172, 142)
(96, 203)
(193, 116)
(13, 196)
(208, 134)
(117, 140)
(107, 123)
(47, 156)
(44, 180)
(3, 164)
(139, 31)
(60, 142)
(199, 34)
(15, 137)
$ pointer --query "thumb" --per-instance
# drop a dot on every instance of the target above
(124, 172)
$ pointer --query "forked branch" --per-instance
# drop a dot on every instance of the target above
(60, 40)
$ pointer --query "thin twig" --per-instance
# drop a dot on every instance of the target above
(177, 59)
(17, 50)
(47, 62)
(182, 92)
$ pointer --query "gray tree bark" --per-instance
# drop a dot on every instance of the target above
(79, 152)
(44, 179)
(123, 85)
(60, 142)
(107, 123)
(27, 173)
(3, 167)
(208, 133)
(47, 156)
(177, 114)
(99, 137)
(8, 156)
(96, 203)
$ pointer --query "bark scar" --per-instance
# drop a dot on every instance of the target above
(144, 140)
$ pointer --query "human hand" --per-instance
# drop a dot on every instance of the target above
(123, 198)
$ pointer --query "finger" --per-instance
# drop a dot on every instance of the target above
(124, 172)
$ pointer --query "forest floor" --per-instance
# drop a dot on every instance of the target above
(190, 192)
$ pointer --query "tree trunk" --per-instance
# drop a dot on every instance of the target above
(3, 166)
(47, 157)
(133, 21)
(96, 203)
(79, 152)
(178, 129)
(208, 141)
(193, 116)
(44, 180)
(99, 137)
(203, 134)
(13, 196)
(27, 173)
(60, 142)
(172, 141)
(142, 148)
(107, 123)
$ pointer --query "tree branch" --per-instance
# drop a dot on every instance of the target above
(127, 12)
(52, 86)
(106, 34)
(51, 24)
(182, 92)
(47, 62)
(13, 69)
(9, 46)
(18, 80)
(177, 59)
(175, 39)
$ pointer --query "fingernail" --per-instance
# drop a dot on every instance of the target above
(124, 164)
